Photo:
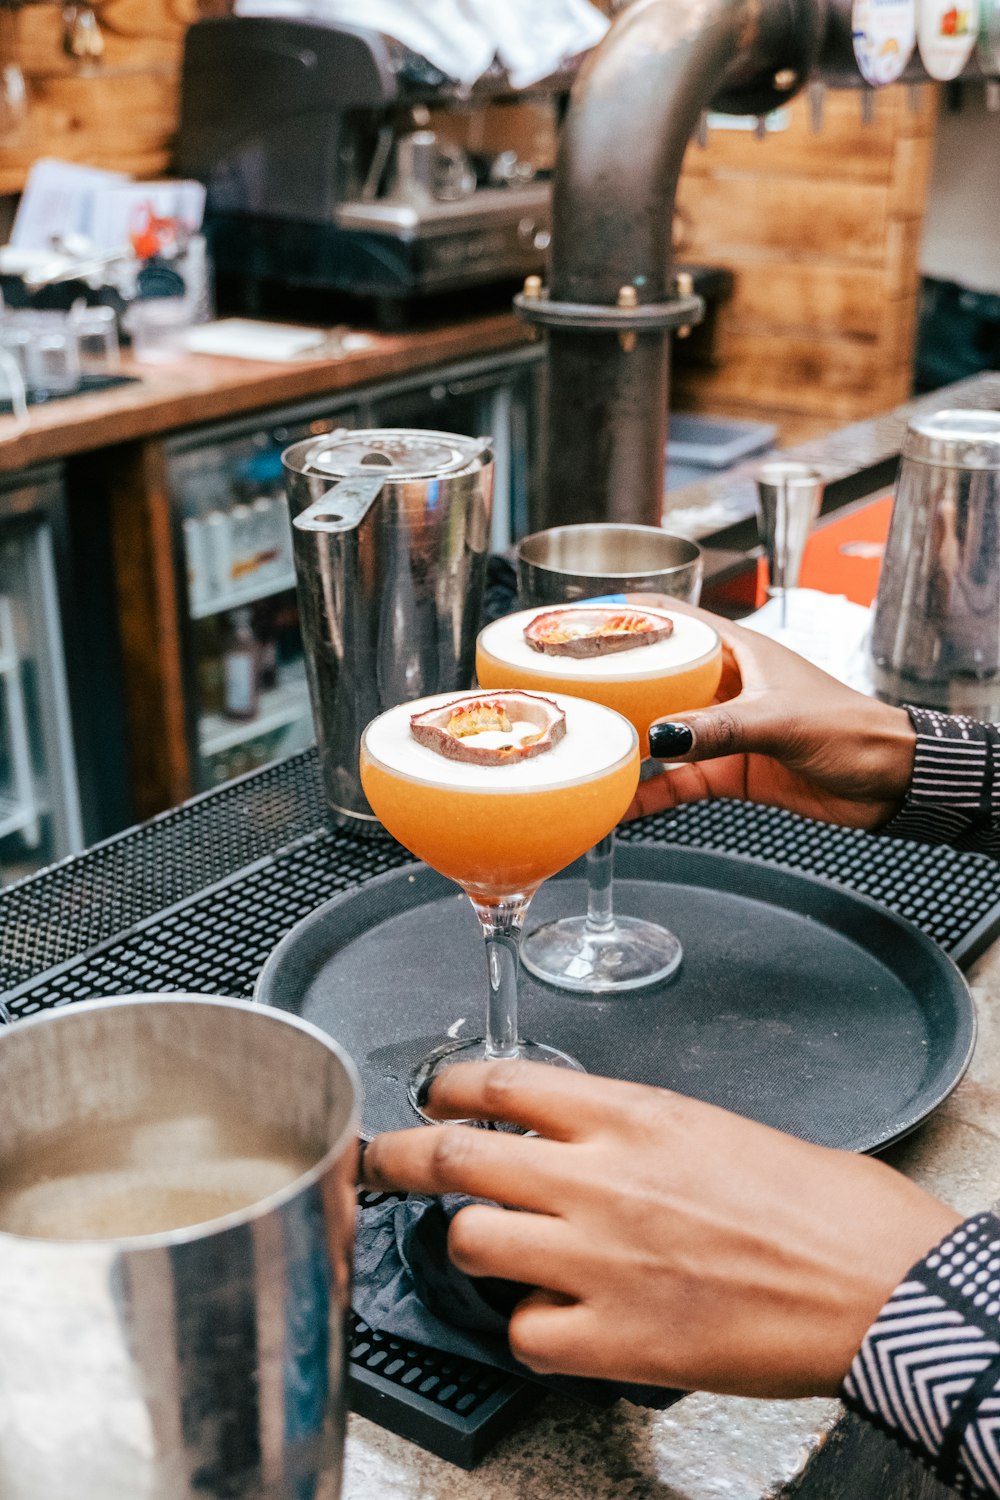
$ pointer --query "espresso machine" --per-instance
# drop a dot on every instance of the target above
(327, 171)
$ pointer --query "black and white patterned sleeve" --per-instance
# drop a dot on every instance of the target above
(954, 794)
(928, 1372)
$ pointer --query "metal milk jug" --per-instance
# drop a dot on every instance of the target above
(935, 636)
(390, 532)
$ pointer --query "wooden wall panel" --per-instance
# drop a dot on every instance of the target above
(843, 147)
(816, 374)
(787, 296)
(822, 233)
(120, 113)
(798, 216)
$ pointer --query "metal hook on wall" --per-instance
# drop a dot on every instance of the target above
(82, 37)
(13, 88)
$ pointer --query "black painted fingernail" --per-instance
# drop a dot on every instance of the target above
(423, 1092)
(668, 740)
(362, 1148)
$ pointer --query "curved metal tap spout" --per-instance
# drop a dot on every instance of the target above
(632, 112)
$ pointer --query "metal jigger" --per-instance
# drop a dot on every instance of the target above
(789, 495)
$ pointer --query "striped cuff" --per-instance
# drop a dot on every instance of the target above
(928, 1372)
(952, 796)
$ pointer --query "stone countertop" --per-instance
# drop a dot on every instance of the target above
(721, 1447)
(196, 388)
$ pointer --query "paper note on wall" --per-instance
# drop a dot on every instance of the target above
(57, 202)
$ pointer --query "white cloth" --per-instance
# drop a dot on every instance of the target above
(827, 629)
(462, 37)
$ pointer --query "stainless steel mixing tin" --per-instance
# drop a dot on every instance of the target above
(202, 1363)
(391, 530)
(581, 562)
(936, 628)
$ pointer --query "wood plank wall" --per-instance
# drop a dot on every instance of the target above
(121, 114)
(822, 231)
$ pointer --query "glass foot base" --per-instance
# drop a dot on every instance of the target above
(474, 1050)
(628, 955)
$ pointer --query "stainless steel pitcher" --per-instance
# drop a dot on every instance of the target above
(936, 628)
(391, 530)
(199, 1363)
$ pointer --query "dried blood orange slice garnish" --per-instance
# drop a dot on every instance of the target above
(595, 632)
(453, 729)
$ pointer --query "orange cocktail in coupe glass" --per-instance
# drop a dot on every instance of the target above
(646, 664)
(498, 791)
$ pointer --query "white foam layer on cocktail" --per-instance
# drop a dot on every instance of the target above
(595, 740)
(690, 642)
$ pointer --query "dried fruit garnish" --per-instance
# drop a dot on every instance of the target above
(452, 729)
(595, 632)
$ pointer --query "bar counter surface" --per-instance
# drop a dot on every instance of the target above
(705, 1447)
(195, 900)
(196, 388)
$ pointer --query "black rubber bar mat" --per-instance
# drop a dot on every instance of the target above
(196, 899)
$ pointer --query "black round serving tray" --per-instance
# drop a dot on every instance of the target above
(798, 1003)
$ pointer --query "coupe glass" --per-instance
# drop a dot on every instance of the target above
(603, 952)
(498, 832)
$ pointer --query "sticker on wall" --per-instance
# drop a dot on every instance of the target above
(989, 37)
(883, 32)
(946, 35)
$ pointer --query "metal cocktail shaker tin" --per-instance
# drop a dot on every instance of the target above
(935, 637)
(391, 531)
(577, 562)
(205, 1362)
(789, 497)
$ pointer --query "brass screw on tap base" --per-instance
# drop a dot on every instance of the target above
(533, 288)
(627, 297)
(685, 288)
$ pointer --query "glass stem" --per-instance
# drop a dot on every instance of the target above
(502, 930)
(600, 885)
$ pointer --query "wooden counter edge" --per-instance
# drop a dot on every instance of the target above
(198, 389)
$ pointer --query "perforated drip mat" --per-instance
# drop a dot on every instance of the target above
(197, 898)
(455, 1407)
(954, 897)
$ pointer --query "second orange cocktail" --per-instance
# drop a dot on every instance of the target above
(646, 664)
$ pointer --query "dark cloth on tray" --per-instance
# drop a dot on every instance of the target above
(405, 1285)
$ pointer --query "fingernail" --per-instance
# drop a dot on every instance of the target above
(668, 740)
(423, 1092)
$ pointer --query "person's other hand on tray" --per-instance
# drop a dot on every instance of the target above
(786, 734)
(670, 1242)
